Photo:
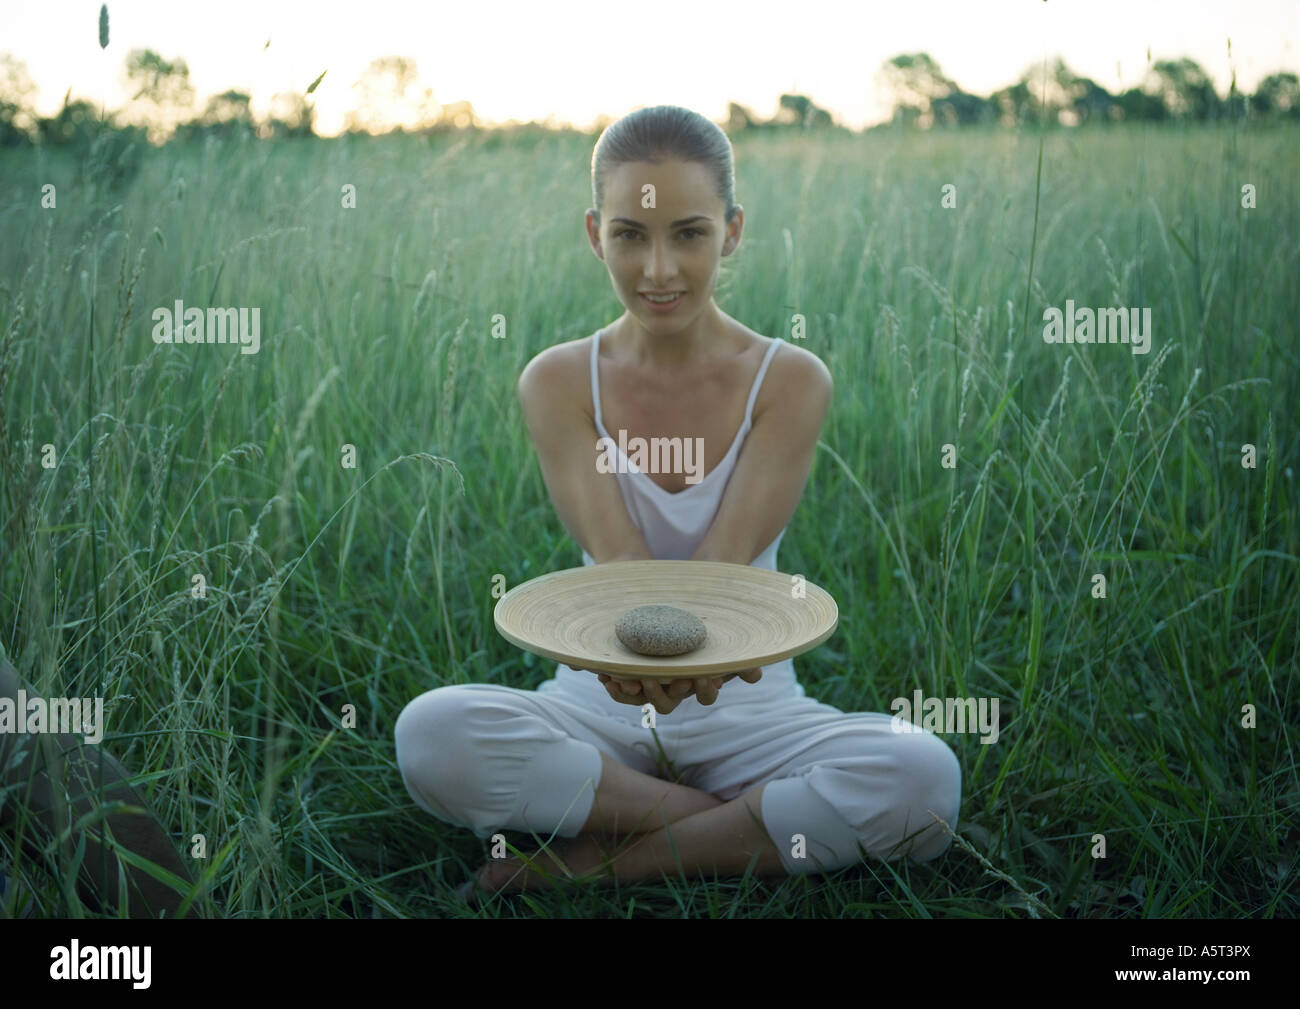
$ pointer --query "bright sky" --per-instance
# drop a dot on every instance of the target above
(574, 60)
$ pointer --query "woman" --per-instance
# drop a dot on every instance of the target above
(768, 778)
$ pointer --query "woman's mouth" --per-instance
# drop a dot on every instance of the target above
(662, 302)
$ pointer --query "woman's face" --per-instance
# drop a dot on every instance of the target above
(674, 246)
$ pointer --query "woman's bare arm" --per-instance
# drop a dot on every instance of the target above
(563, 432)
(774, 462)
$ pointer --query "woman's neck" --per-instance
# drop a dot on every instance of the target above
(706, 336)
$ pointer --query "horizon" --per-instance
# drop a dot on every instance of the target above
(59, 46)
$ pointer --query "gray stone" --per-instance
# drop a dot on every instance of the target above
(660, 630)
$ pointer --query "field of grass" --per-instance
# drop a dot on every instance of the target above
(329, 586)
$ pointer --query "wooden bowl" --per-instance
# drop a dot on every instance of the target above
(754, 617)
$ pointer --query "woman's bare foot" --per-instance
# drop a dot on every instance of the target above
(582, 857)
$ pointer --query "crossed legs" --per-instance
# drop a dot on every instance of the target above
(801, 774)
(641, 827)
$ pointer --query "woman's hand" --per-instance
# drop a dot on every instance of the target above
(666, 696)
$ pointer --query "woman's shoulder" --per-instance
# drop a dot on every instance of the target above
(791, 364)
(793, 374)
(557, 370)
(560, 354)
(754, 341)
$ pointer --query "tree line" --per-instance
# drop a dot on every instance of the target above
(391, 99)
(1054, 95)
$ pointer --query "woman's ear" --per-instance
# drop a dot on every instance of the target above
(734, 229)
(592, 223)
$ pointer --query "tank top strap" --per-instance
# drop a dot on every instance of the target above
(595, 379)
(758, 380)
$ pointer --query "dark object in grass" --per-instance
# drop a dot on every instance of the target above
(660, 630)
(55, 778)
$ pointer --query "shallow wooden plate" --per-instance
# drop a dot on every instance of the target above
(754, 617)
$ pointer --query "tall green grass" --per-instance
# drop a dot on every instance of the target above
(329, 586)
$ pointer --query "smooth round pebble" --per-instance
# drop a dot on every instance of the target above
(660, 630)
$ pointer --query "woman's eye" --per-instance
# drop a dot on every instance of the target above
(692, 232)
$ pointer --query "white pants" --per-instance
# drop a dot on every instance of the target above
(490, 757)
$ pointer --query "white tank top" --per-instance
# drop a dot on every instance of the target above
(674, 525)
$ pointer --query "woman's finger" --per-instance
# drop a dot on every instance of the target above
(617, 689)
(706, 690)
(655, 693)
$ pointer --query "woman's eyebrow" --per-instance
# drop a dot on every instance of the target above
(678, 223)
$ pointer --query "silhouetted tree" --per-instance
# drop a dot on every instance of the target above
(162, 84)
(924, 96)
(291, 116)
(1082, 99)
(906, 116)
(159, 81)
(799, 111)
(75, 124)
(915, 81)
(1184, 89)
(916, 78)
(1091, 103)
(1050, 93)
(1013, 104)
(454, 117)
(1277, 95)
(960, 108)
(228, 114)
(229, 107)
(1137, 105)
(391, 98)
(17, 121)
